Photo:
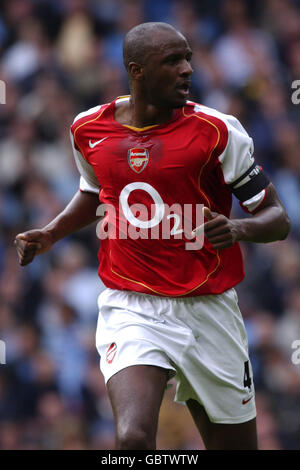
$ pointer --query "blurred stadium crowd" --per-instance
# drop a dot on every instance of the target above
(58, 58)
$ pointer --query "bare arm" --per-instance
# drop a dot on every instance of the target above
(270, 223)
(80, 212)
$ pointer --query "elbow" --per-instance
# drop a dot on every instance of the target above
(286, 225)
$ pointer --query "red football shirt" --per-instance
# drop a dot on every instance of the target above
(191, 159)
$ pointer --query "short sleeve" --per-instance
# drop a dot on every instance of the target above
(237, 157)
(245, 178)
(88, 181)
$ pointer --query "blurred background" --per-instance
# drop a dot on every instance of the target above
(58, 58)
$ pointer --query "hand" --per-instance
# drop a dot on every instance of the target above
(220, 231)
(32, 243)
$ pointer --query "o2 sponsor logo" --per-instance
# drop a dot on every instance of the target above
(160, 222)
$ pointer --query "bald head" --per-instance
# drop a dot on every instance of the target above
(141, 39)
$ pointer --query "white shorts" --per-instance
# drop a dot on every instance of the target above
(200, 340)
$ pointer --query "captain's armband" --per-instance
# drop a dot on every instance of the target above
(250, 188)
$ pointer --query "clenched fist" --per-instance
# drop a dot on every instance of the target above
(32, 243)
(219, 230)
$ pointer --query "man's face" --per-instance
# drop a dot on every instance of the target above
(167, 73)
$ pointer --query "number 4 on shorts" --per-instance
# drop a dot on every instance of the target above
(247, 378)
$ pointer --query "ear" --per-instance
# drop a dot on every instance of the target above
(136, 71)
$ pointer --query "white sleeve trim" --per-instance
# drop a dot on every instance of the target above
(85, 186)
(253, 203)
(237, 156)
(87, 113)
(88, 178)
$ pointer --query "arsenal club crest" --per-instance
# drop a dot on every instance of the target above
(138, 159)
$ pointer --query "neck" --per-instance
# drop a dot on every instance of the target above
(138, 113)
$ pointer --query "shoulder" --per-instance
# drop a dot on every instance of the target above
(226, 123)
(88, 116)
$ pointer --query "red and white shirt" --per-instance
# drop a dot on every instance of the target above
(200, 156)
